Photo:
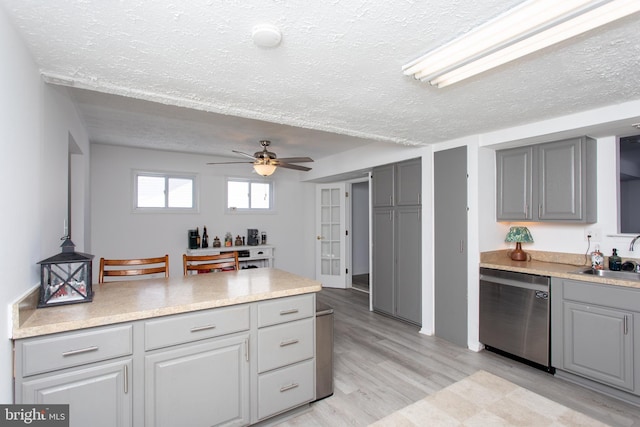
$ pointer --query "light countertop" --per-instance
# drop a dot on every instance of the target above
(117, 302)
(551, 264)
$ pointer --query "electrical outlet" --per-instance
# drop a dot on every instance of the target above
(594, 233)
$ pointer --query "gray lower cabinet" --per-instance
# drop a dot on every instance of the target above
(397, 268)
(596, 334)
(286, 349)
(554, 181)
(229, 366)
(408, 264)
(201, 384)
(384, 266)
(74, 368)
(601, 347)
(98, 394)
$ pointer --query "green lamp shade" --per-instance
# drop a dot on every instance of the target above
(519, 234)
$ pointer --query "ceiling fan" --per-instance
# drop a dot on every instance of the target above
(265, 162)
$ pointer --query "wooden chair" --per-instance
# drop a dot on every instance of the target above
(122, 267)
(207, 263)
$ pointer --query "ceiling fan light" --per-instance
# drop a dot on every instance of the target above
(264, 169)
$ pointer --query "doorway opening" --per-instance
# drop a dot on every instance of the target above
(360, 236)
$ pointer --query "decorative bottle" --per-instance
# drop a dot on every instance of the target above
(597, 260)
(197, 237)
(615, 263)
(205, 238)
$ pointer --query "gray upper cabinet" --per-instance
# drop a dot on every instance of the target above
(555, 182)
(408, 182)
(514, 183)
(383, 186)
(396, 235)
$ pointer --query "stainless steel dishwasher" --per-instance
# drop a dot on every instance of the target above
(515, 315)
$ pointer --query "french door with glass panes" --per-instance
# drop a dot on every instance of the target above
(331, 235)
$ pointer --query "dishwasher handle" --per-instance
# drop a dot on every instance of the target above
(510, 282)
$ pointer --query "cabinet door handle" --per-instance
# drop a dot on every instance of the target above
(289, 342)
(246, 349)
(288, 387)
(290, 311)
(625, 325)
(540, 210)
(126, 379)
(202, 328)
(80, 351)
(526, 209)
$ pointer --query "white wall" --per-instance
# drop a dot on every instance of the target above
(117, 232)
(35, 123)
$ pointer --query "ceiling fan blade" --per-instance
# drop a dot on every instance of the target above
(295, 159)
(296, 167)
(225, 163)
(244, 154)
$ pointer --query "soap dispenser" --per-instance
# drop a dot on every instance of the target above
(597, 260)
(615, 263)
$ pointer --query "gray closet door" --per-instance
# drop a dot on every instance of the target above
(409, 264)
(450, 216)
(383, 260)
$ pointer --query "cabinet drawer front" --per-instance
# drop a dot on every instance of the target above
(185, 328)
(259, 253)
(285, 388)
(285, 310)
(75, 348)
(284, 344)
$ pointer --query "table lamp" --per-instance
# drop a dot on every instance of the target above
(519, 235)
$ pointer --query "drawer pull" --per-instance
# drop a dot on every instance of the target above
(80, 351)
(202, 328)
(288, 387)
(289, 342)
(290, 311)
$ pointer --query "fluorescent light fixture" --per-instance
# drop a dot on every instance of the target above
(530, 26)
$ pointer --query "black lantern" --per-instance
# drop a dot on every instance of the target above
(65, 278)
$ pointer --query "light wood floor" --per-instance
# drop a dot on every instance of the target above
(382, 365)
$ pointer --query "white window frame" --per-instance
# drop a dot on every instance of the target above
(236, 210)
(166, 175)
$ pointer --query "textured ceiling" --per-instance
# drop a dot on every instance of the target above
(336, 77)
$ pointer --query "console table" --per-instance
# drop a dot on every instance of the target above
(259, 256)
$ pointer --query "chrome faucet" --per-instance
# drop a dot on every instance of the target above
(633, 241)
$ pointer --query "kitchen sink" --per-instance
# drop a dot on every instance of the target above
(622, 275)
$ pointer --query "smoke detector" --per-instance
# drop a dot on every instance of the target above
(266, 35)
